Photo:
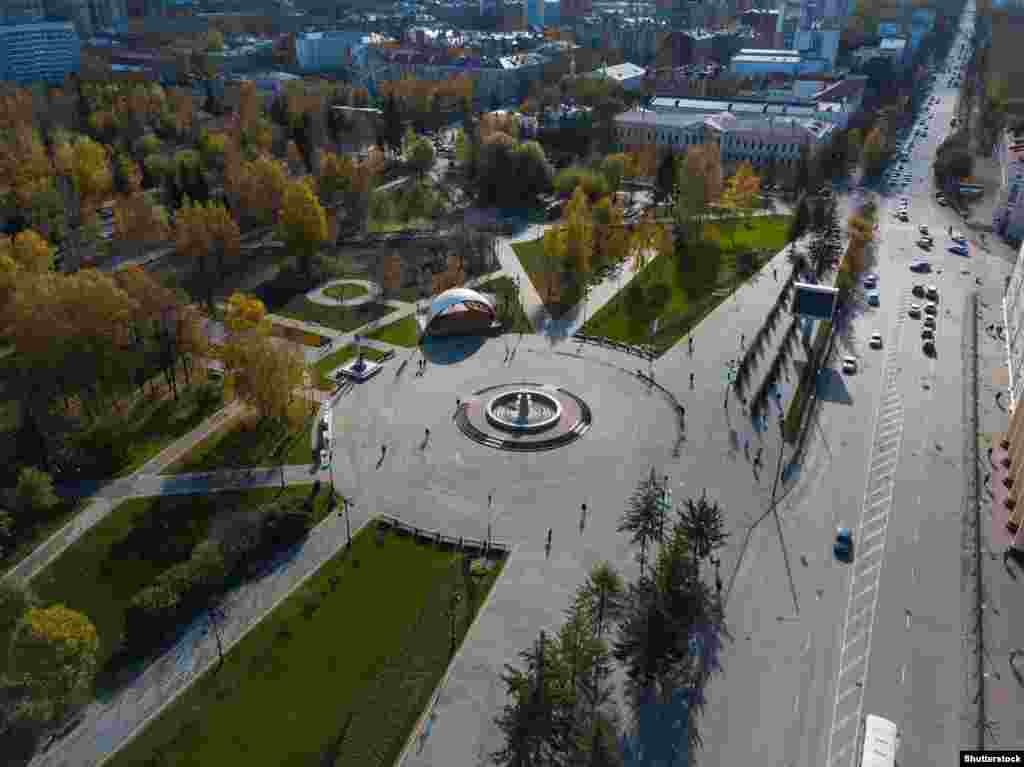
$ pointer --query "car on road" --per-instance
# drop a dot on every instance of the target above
(849, 364)
(958, 236)
(929, 348)
(931, 308)
(941, 202)
(325, 458)
(929, 322)
(925, 243)
(923, 229)
(914, 310)
(873, 298)
(871, 281)
(959, 250)
(932, 293)
(928, 334)
(876, 340)
(918, 265)
(843, 546)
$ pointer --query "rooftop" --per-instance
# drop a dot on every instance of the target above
(619, 72)
(768, 52)
(648, 117)
(747, 59)
(892, 43)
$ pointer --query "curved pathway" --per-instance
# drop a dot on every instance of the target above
(318, 296)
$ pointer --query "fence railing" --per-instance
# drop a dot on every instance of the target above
(637, 350)
(460, 542)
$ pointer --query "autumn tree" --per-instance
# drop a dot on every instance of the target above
(138, 223)
(256, 190)
(453, 275)
(302, 224)
(391, 273)
(29, 252)
(24, 164)
(698, 186)
(873, 155)
(741, 194)
(52, 662)
(335, 176)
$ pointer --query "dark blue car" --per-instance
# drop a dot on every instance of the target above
(843, 547)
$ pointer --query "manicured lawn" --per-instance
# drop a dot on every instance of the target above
(509, 309)
(336, 675)
(531, 256)
(340, 357)
(100, 573)
(345, 291)
(688, 292)
(343, 318)
(400, 333)
(245, 443)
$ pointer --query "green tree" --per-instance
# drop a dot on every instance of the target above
(665, 179)
(642, 518)
(703, 525)
(420, 156)
(34, 494)
(614, 169)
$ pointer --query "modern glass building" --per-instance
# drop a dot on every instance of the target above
(40, 51)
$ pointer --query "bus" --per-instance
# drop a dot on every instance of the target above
(881, 741)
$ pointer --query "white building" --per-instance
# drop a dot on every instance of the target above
(758, 139)
(629, 76)
(751, 62)
(43, 51)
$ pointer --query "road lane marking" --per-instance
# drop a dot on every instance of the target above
(903, 672)
(852, 641)
(842, 723)
(869, 571)
(857, 615)
(865, 592)
(873, 549)
(875, 534)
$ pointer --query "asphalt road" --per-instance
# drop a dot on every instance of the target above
(885, 459)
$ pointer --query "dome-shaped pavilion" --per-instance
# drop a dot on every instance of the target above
(460, 311)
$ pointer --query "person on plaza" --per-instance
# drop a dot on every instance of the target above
(743, 337)
(583, 517)
(691, 345)
(383, 451)
(757, 459)
(427, 434)
(775, 274)
(548, 546)
(691, 380)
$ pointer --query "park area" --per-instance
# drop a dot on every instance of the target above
(141, 539)
(337, 674)
(322, 369)
(680, 290)
(402, 332)
(510, 308)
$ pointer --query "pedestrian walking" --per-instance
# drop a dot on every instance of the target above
(383, 451)
(990, 449)
(743, 337)
(691, 380)
(549, 540)
(988, 476)
(757, 460)
(583, 517)
(458, 403)
(775, 274)
(999, 397)
(691, 345)
(490, 499)
(682, 412)
(427, 434)
(746, 448)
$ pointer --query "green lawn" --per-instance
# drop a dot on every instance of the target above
(509, 309)
(331, 361)
(336, 675)
(345, 291)
(531, 255)
(44, 525)
(688, 292)
(343, 318)
(400, 333)
(245, 443)
(100, 573)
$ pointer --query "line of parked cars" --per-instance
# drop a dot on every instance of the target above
(930, 311)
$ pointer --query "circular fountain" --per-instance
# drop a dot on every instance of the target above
(523, 416)
(523, 411)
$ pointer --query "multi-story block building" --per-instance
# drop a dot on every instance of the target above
(330, 51)
(1008, 216)
(45, 51)
(759, 139)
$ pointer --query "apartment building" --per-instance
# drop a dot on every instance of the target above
(44, 51)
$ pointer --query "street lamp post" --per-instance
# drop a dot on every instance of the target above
(775, 513)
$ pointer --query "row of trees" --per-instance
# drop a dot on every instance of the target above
(663, 630)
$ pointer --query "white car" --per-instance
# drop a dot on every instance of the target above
(876, 340)
(871, 281)
(849, 365)
(914, 310)
(923, 229)
(958, 236)
(325, 458)
(932, 293)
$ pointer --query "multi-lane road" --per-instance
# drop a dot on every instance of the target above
(882, 634)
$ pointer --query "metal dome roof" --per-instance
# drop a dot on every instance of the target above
(455, 296)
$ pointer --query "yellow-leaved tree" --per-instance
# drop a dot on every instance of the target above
(52, 660)
(302, 224)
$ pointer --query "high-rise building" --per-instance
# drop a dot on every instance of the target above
(492, 8)
(533, 13)
(44, 50)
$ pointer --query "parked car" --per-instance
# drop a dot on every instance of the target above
(918, 290)
(871, 281)
(929, 348)
(932, 293)
(920, 266)
(929, 322)
(959, 250)
(931, 308)
(927, 334)
(876, 340)
(873, 298)
(849, 365)
(914, 310)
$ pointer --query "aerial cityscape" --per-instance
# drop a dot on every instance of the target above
(452, 383)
